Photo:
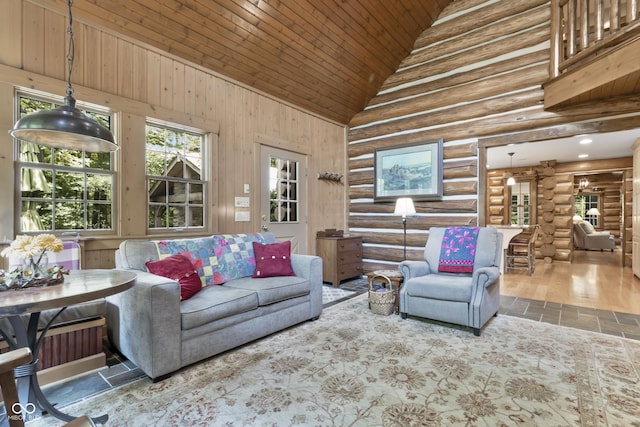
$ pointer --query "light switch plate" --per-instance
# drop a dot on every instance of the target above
(242, 202)
(243, 216)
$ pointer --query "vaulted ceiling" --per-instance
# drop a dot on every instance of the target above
(326, 56)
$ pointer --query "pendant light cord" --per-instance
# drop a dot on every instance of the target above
(70, 52)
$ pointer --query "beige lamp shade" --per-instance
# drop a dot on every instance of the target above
(404, 206)
(593, 212)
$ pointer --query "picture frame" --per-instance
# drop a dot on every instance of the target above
(413, 170)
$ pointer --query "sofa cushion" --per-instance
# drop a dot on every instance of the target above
(215, 302)
(200, 250)
(273, 260)
(178, 267)
(273, 289)
(235, 254)
(587, 227)
(447, 287)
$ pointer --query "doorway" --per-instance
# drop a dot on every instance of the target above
(283, 196)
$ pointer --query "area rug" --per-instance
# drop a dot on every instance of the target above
(332, 295)
(355, 368)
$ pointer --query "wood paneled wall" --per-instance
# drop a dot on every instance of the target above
(475, 79)
(137, 81)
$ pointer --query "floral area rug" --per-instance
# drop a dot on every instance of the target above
(355, 368)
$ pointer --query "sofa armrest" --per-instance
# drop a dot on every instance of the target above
(411, 269)
(310, 267)
(144, 323)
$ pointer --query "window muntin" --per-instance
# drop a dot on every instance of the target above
(283, 190)
(175, 185)
(63, 190)
(584, 202)
(520, 205)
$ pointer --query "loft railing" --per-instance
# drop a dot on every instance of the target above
(584, 29)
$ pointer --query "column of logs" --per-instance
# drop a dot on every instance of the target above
(557, 212)
(547, 208)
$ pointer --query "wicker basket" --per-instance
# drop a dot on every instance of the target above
(382, 302)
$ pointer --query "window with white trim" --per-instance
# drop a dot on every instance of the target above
(175, 185)
(59, 189)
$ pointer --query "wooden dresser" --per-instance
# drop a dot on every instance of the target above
(341, 257)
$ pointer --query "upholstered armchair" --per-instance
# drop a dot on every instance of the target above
(467, 299)
(586, 237)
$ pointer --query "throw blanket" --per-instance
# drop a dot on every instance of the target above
(458, 250)
(219, 258)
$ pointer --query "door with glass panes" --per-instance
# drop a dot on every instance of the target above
(283, 207)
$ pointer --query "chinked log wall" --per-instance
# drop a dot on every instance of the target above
(474, 79)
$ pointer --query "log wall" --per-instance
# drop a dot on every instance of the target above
(474, 79)
(606, 178)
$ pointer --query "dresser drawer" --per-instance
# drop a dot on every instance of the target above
(350, 270)
(350, 245)
(349, 257)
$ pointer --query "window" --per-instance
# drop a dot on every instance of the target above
(175, 185)
(62, 190)
(585, 202)
(283, 190)
(520, 207)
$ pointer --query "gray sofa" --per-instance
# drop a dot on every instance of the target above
(161, 334)
(586, 237)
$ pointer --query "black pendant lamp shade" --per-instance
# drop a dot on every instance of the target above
(65, 126)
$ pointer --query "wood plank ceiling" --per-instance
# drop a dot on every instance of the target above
(326, 56)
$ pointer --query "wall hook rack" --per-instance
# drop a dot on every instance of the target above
(328, 176)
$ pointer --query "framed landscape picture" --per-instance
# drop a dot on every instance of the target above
(409, 171)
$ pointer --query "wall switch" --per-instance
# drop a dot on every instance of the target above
(246, 189)
(243, 216)
(242, 202)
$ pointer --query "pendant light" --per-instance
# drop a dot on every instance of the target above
(511, 180)
(65, 126)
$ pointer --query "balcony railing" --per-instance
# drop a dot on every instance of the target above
(581, 30)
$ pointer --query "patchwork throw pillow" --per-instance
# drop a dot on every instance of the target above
(273, 259)
(178, 267)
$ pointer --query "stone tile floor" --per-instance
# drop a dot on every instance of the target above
(120, 371)
(588, 319)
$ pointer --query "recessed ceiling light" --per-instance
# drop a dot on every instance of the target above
(583, 156)
(586, 141)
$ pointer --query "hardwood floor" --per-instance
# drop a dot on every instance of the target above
(594, 279)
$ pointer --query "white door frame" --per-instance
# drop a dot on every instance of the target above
(261, 141)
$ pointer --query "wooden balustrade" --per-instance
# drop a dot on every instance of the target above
(583, 29)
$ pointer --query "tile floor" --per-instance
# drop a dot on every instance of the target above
(119, 372)
(589, 319)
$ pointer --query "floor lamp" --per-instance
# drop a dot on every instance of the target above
(404, 207)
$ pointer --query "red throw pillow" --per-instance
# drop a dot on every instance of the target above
(273, 259)
(178, 267)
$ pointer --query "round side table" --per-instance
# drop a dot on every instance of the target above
(395, 277)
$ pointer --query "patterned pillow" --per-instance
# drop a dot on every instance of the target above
(199, 250)
(235, 256)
